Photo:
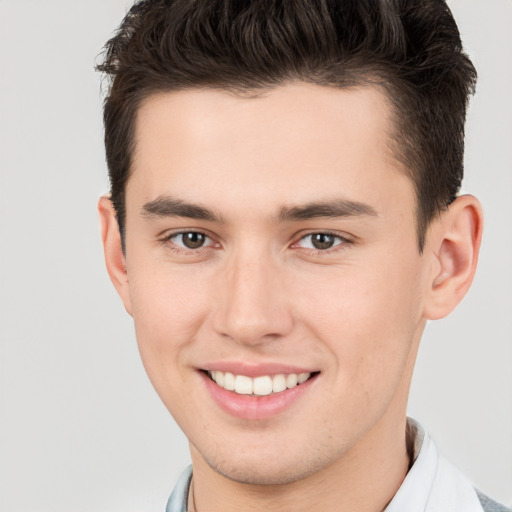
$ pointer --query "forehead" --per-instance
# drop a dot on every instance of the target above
(286, 143)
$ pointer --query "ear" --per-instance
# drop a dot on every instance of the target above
(114, 256)
(454, 243)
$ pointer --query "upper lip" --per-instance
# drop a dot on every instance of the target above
(255, 369)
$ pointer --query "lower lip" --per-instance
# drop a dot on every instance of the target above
(250, 407)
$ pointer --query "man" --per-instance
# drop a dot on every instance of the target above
(284, 218)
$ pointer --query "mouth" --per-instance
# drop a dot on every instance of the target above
(260, 386)
(258, 391)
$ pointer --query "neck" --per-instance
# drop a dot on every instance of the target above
(365, 479)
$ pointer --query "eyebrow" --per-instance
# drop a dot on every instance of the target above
(331, 209)
(166, 206)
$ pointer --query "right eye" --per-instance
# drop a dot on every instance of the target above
(190, 240)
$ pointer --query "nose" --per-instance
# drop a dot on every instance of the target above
(253, 306)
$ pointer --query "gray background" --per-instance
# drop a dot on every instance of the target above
(80, 427)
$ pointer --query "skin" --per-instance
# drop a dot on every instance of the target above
(258, 291)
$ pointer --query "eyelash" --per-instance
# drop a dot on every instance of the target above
(341, 245)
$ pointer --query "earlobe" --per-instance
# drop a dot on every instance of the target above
(454, 244)
(112, 247)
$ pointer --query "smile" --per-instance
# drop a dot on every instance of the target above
(268, 392)
(259, 386)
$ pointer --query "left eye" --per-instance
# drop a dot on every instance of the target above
(191, 240)
(320, 241)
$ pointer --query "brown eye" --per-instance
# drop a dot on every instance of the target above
(320, 241)
(190, 240)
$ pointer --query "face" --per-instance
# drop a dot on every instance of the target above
(271, 247)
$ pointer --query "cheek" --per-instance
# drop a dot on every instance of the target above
(165, 300)
(168, 309)
(367, 316)
(166, 314)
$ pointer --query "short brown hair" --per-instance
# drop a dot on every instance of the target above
(410, 47)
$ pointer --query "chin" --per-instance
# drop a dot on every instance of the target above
(267, 472)
(261, 475)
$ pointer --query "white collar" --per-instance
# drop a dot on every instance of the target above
(432, 484)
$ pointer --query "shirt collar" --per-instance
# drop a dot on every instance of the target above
(413, 494)
(432, 484)
(178, 500)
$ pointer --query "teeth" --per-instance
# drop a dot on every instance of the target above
(243, 385)
(291, 380)
(302, 377)
(278, 383)
(229, 381)
(262, 386)
(259, 386)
